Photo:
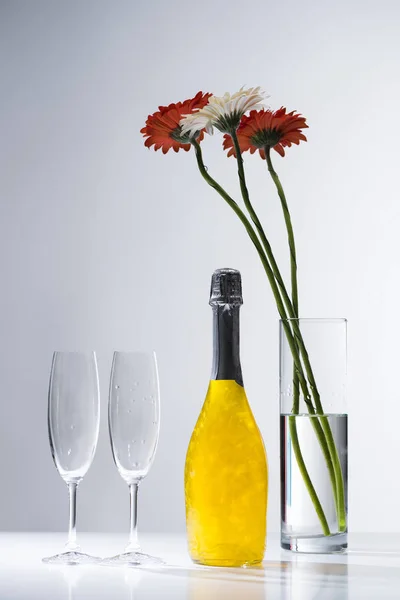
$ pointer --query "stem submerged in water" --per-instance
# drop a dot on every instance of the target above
(304, 473)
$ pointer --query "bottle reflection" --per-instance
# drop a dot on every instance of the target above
(314, 580)
(227, 584)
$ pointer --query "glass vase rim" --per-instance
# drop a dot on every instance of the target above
(316, 319)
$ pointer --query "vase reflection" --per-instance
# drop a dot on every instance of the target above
(313, 580)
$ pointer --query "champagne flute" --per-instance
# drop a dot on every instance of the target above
(73, 421)
(134, 424)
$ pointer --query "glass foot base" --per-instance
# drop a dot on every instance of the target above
(132, 559)
(72, 558)
(317, 544)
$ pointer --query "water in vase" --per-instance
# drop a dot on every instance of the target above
(301, 526)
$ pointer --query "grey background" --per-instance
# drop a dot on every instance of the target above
(106, 245)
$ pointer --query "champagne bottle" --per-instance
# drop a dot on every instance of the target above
(226, 474)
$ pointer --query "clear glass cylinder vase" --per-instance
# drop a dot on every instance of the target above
(313, 435)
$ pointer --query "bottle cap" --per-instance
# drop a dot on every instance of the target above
(226, 287)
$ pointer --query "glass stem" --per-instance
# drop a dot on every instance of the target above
(71, 544)
(133, 533)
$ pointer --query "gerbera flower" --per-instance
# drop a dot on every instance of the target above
(223, 112)
(268, 129)
(163, 129)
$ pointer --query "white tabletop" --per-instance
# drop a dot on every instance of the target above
(370, 570)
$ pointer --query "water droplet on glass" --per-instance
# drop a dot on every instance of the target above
(135, 464)
(143, 441)
(129, 411)
(69, 452)
(117, 387)
(72, 427)
(155, 422)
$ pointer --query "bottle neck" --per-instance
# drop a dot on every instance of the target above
(226, 359)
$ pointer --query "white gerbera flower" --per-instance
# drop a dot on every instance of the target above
(223, 112)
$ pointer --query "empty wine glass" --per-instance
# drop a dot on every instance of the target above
(73, 420)
(134, 424)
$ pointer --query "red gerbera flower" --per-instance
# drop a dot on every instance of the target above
(268, 129)
(163, 130)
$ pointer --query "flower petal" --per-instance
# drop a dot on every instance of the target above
(279, 149)
(162, 127)
(266, 128)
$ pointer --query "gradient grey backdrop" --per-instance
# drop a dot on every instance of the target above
(106, 245)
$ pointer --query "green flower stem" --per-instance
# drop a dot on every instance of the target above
(339, 485)
(289, 229)
(281, 309)
(274, 266)
(276, 272)
(304, 473)
(259, 227)
(292, 306)
(254, 238)
(322, 430)
(296, 391)
(293, 266)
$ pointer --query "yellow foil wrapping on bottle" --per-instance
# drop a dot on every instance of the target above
(226, 481)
